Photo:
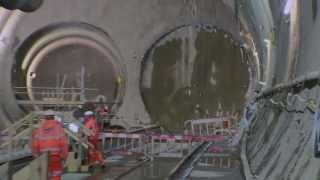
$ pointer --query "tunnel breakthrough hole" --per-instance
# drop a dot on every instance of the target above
(193, 73)
(76, 66)
(70, 68)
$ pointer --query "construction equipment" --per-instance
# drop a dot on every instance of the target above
(124, 143)
(23, 5)
(218, 160)
(211, 127)
(152, 145)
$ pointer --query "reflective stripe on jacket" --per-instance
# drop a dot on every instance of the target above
(92, 124)
(50, 137)
(55, 173)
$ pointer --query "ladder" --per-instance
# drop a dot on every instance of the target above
(16, 140)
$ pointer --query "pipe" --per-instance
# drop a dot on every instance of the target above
(4, 15)
(9, 29)
(9, 22)
(284, 86)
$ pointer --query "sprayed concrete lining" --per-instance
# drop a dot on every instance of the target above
(193, 73)
(280, 142)
(133, 36)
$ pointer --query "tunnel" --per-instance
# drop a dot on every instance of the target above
(81, 64)
(65, 58)
(166, 62)
(195, 72)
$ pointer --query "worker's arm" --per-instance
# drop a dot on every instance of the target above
(64, 145)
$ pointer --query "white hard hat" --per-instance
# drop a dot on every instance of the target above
(58, 118)
(49, 113)
(74, 127)
(88, 113)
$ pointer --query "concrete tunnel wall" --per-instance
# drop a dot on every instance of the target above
(133, 27)
(280, 142)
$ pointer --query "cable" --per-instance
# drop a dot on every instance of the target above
(309, 105)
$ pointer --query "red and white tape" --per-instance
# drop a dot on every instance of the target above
(163, 137)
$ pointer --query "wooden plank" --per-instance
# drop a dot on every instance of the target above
(18, 154)
(36, 170)
(4, 171)
(72, 163)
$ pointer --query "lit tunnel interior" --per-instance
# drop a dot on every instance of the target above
(70, 67)
(184, 72)
(184, 60)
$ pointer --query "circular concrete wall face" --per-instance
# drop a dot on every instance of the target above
(193, 73)
(69, 62)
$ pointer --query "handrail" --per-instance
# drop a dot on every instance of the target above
(74, 137)
(285, 86)
(20, 123)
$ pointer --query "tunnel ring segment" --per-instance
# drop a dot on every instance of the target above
(70, 34)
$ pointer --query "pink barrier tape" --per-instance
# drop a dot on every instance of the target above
(216, 150)
(164, 137)
(126, 153)
(121, 135)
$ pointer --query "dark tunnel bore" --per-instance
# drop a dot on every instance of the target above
(67, 62)
(192, 73)
(61, 65)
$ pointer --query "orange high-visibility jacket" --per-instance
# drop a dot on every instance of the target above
(50, 137)
(92, 124)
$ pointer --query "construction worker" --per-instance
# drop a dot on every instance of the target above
(103, 111)
(94, 154)
(103, 116)
(50, 137)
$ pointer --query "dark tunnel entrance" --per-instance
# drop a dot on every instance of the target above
(66, 63)
(76, 66)
(193, 73)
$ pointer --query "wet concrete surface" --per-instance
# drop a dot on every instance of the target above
(192, 73)
(132, 169)
(216, 174)
(217, 166)
(117, 166)
(281, 142)
(159, 169)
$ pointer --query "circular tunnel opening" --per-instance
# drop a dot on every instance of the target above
(68, 63)
(192, 73)
(73, 67)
